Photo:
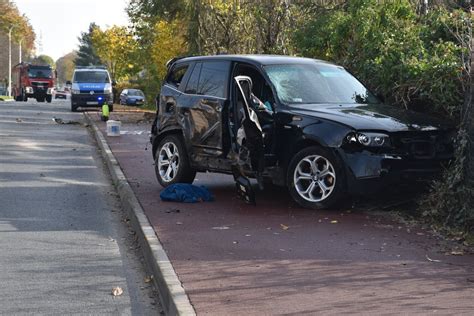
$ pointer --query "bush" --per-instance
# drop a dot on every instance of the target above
(413, 61)
(417, 62)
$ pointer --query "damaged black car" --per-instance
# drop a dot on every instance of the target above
(302, 123)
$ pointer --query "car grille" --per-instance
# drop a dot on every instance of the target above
(425, 145)
(39, 85)
(89, 91)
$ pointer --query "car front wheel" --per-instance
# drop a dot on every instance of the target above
(315, 178)
(171, 162)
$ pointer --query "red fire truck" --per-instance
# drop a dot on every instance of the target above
(32, 81)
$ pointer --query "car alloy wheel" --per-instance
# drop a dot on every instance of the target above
(314, 178)
(168, 161)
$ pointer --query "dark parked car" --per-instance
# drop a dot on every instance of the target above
(304, 123)
(132, 97)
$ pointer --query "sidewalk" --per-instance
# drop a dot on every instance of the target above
(276, 258)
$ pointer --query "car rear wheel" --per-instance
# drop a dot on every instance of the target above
(171, 162)
(315, 178)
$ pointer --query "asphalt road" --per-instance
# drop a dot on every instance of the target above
(279, 259)
(63, 242)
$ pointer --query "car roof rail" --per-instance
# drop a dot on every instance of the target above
(92, 67)
(170, 62)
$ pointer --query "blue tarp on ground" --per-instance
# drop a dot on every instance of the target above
(187, 193)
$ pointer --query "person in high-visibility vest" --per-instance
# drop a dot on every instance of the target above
(105, 112)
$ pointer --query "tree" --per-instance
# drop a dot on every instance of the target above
(116, 48)
(22, 29)
(169, 42)
(65, 67)
(86, 56)
(43, 60)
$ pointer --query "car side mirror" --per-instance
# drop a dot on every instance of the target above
(68, 82)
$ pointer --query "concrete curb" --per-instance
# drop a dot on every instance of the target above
(172, 295)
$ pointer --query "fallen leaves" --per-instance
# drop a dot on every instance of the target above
(284, 227)
(117, 291)
(148, 279)
(334, 222)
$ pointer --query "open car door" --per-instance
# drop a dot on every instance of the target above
(250, 141)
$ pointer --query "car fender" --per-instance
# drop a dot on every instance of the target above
(156, 139)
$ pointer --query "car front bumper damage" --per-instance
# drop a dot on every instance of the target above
(367, 171)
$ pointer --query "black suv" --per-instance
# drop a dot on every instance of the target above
(304, 123)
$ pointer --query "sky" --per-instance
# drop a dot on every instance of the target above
(60, 22)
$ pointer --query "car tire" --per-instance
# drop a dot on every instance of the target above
(74, 108)
(171, 149)
(49, 99)
(315, 178)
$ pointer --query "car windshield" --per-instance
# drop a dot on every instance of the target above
(135, 93)
(317, 83)
(91, 77)
(40, 73)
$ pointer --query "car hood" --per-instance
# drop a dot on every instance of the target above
(373, 117)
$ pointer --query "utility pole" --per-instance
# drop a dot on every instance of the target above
(19, 55)
(10, 61)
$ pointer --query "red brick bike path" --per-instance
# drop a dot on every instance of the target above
(276, 258)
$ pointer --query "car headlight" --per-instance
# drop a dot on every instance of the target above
(369, 139)
(75, 91)
(108, 90)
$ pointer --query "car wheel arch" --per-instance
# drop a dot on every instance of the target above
(303, 143)
(299, 145)
(163, 134)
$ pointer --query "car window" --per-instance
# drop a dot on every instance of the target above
(91, 77)
(317, 83)
(40, 73)
(176, 75)
(135, 93)
(213, 78)
(192, 85)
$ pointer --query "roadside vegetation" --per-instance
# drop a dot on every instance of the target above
(5, 98)
(416, 56)
(21, 31)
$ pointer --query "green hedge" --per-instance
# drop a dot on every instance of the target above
(414, 61)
